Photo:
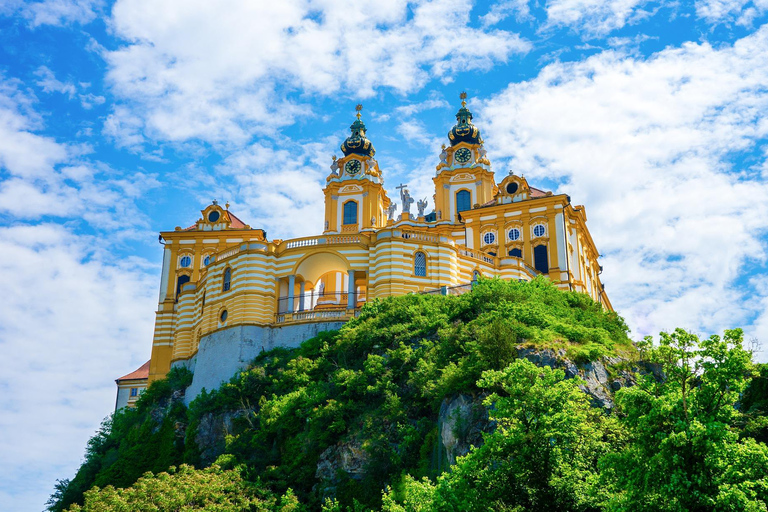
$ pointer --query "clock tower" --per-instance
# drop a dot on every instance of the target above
(464, 177)
(355, 199)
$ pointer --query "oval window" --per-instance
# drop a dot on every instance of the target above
(511, 188)
(489, 238)
(538, 230)
(514, 234)
(213, 216)
(223, 316)
(185, 261)
(207, 260)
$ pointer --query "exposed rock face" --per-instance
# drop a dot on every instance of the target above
(212, 432)
(348, 457)
(461, 423)
(598, 384)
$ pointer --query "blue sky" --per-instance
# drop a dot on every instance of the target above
(118, 120)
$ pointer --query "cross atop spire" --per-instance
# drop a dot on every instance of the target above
(358, 108)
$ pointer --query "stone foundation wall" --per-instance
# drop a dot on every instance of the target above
(223, 353)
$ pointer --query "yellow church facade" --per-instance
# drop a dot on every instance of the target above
(221, 277)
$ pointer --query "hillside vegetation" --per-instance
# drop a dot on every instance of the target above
(366, 419)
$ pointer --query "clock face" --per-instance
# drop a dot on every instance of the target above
(352, 167)
(463, 155)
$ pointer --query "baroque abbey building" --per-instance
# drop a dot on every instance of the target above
(227, 292)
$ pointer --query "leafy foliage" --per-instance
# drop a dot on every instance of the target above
(131, 442)
(684, 451)
(348, 420)
(185, 489)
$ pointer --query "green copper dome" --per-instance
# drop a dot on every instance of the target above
(464, 130)
(357, 143)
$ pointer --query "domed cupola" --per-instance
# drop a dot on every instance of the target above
(357, 143)
(464, 130)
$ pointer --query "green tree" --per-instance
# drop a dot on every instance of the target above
(684, 451)
(543, 454)
(186, 489)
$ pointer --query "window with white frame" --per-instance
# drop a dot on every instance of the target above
(489, 238)
(207, 260)
(539, 230)
(514, 234)
(185, 261)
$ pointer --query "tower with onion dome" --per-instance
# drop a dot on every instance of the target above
(355, 199)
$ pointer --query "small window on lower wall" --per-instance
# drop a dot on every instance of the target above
(517, 253)
(223, 316)
(540, 259)
(134, 391)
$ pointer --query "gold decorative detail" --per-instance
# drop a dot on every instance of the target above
(358, 108)
(463, 97)
(226, 205)
(333, 158)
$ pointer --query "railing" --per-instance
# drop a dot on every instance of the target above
(229, 252)
(311, 301)
(343, 239)
(450, 290)
(327, 315)
(421, 237)
(476, 255)
(304, 242)
(519, 263)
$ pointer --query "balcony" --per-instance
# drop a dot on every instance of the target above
(322, 307)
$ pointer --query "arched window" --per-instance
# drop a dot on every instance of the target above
(475, 275)
(540, 259)
(227, 279)
(420, 264)
(517, 253)
(181, 281)
(539, 230)
(514, 234)
(463, 201)
(350, 212)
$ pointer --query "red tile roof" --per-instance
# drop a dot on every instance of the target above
(141, 373)
(234, 222)
(535, 192)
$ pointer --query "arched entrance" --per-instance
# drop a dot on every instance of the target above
(322, 281)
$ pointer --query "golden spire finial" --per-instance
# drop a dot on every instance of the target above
(463, 97)
(227, 205)
(358, 108)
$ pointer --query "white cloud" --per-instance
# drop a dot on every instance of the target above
(723, 11)
(194, 70)
(595, 17)
(648, 146)
(47, 80)
(61, 12)
(74, 318)
(504, 9)
(45, 177)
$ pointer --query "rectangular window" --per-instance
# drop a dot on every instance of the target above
(134, 391)
(540, 259)
(350, 212)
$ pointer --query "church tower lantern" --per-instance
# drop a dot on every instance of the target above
(355, 199)
(464, 177)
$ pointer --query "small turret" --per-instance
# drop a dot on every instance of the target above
(357, 143)
(464, 130)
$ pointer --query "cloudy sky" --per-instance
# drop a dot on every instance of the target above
(118, 120)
